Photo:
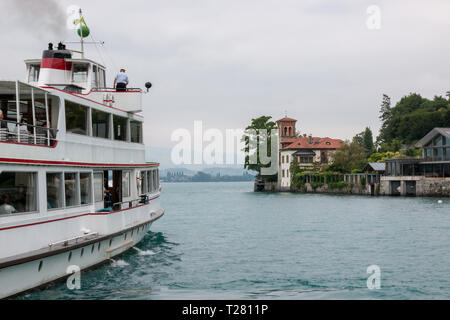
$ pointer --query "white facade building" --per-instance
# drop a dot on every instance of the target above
(309, 151)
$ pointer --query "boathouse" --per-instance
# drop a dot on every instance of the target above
(427, 176)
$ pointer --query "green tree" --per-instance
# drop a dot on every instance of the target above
(385, 116)
(411, 118)
(365, 140)
(258, 134)
(348, 157)
(294, 167)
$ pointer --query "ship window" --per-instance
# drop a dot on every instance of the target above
(155, 180)
(71, 190)
(98, 186)
(149, 181)
(144, 182)
(125, 184)
(33, 75)
(94, 82)
(17, 192)
(85, 187)
(80, 72)
(120, 125)
(100, 124)
(101, 76)
(76, 118)
(54, 190)
(136, 131)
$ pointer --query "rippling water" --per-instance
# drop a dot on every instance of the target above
(222, 241)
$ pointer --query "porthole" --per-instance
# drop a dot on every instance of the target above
(110, 242)
(70, 256)
(92, 250)
(82, 251)
(125, 237)
(99, 244)
(40, 266)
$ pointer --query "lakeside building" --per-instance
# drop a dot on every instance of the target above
(428, 176)
(309, 151)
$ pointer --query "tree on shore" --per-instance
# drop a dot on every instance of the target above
(348, 157)
(365, 140)
(411, 119)
(258, 136)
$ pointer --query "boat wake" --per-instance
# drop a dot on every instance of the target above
(119, 263)
(144, 252)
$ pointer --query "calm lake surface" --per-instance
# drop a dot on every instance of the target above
(222, 241)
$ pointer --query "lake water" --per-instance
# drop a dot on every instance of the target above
(223, 241)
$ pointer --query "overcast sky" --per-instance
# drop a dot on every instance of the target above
(225, 62)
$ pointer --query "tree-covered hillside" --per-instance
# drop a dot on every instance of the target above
(410, 119)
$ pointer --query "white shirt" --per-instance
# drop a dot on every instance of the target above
(7, 209)
(122, 77)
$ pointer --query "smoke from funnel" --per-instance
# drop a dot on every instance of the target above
(43, 19)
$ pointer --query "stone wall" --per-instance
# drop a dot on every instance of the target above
(415, 185)
(352, 189)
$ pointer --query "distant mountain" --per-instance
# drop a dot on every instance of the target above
(163, 156)
(227, 171)
(184, 171)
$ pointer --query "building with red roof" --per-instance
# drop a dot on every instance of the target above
(308, 150)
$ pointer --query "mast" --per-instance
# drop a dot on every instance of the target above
(81, 34)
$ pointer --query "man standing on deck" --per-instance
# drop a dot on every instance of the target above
(121, 81)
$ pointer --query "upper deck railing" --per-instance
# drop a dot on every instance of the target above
(15, 132)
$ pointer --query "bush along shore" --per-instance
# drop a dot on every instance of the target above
(330, 182)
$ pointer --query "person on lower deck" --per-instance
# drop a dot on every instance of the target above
(5, 207)
(3, 124)
(121, 81)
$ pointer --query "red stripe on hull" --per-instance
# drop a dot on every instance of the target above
(77, 216)
(55, 63)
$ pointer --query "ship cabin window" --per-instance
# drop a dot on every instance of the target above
(17, 192)
(100, 124)
(149, 181)
(94, 77)
(136, 131)
(85, 188)
(80, 72)
(98, 186)
(101, 78)
(71, 189)
(144, 182)
(54, 190)
(125, 184)
(76, 118)
(33, 73)
(120, 125)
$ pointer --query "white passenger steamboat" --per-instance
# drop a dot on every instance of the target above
(75, 189)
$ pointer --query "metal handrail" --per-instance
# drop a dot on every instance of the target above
(118, 205)
(49, 133)
(115, 89)
(28, 125)
(66, 241)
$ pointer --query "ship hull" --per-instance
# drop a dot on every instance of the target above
(47, 266)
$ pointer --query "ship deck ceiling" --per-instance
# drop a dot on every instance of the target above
(77, 164)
